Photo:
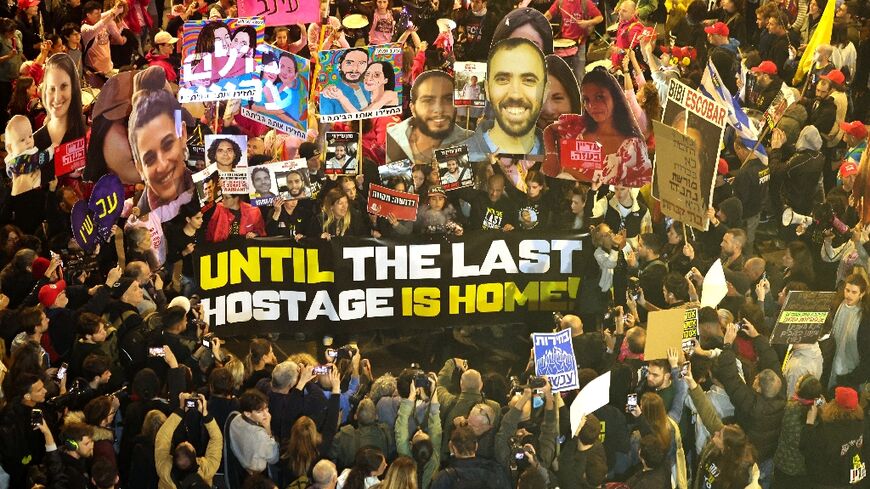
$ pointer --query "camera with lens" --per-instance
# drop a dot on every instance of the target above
(520, 459)
(345, 352)
(557, 321)
(535, 383)
(421, 380)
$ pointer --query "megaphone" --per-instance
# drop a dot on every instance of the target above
(789, 217)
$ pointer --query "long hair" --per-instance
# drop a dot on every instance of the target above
(205, 40)
(252, 36)
(301, 451)
(519, 17)
(651, 105)
(803, 262)
(342, 224)
(18, 105)
(259, 348)
(736, 459)
(832, 413)
(367, 460)
(389, 74)
(653, 409)
(75, 121)
(559, 69)
(402, 474)
(623, 119)
(859, 281)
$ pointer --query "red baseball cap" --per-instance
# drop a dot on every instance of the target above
(835, 76)
(719, 28)
(24, 4)
(722, 169)
(847, 169)
(49, 292)
(766, 67)
(856, 129)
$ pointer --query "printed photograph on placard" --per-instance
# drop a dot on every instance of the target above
(227, 151)
(207, 186)
(341, 153)
(220, 59)
(293, 179)
(453, 168)
(393, 173)
(604, 143)
(469, 78)
(263, 183)
(282, 101)
(360, 83)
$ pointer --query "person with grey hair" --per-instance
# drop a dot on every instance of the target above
(822, 65)
(286, 396)
(150, 283)
(461, 405)
(368, 433)
(325, 475)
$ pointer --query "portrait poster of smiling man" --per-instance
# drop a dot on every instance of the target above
(220, 59)
(516, 81)
(360, 83)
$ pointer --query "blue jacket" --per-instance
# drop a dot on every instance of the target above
(330, 106)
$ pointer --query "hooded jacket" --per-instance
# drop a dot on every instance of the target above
(800, 173)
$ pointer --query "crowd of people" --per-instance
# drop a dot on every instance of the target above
(112, 377)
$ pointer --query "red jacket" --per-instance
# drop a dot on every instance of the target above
(222, 219)
(155, 59)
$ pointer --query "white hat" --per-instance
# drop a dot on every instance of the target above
(164, 37)
(181, 302)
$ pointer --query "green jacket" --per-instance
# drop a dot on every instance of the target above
(788, 457)
(350, 439)
(708, 415)
(403, 443)
(458, 405)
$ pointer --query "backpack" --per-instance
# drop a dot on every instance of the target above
(300, 483)
(459, 482)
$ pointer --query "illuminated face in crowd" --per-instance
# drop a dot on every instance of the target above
(516, 90)
(433, 109)
(295, 185)
(597, 102)
(556, 103)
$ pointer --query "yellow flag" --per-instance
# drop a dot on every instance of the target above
(822, 35)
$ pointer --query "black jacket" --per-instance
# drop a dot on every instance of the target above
(800, 177)
(760, 417)
(750, 186)
(822, 114)
(478, 472)
(582, 470)
(829, 449)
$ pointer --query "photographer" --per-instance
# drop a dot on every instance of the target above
(353, 384)
(368, 433)
(512, 441)
(466, 466)
(470, 394)
(424, 445)
(179, 466)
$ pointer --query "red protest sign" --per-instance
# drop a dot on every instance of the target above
(70, 157)
(581, 155)
(384, 201)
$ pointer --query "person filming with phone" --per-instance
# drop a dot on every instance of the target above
(179, 466)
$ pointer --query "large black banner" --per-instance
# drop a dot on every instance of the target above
(275, 284)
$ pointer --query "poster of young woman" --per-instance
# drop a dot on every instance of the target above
(220, 59)
(618, 155)
(360, 83)
(282, 101)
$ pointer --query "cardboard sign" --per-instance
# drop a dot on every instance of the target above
(554, 359)
(343, 94)
(581, 155)
(227, 70)
(385, 201)
(802, 317)
(281, 12)
(664, 330)
(454, 168)
(690, 328)
(681, 177)
(70, 157)
(776, 110)
(262, 183)
(595, 395)
(469, 88)
(342, 152)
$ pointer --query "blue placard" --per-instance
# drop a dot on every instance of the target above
(554, 359)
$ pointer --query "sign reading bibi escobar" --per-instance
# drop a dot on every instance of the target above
(273, 284)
